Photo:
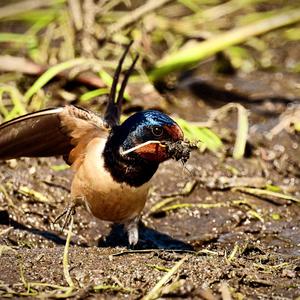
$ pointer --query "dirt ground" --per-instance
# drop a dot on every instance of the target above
(235, 245)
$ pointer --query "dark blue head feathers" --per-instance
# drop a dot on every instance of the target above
(138, 127)
(148, 118)
(137, 166)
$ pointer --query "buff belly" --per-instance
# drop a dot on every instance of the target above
(106, 199)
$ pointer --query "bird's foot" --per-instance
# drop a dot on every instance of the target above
(67, 214)
(133, 232)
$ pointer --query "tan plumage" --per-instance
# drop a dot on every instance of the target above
(113, 185)
(80, 136)
(106, 199)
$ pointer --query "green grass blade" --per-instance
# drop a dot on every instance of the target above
(107, 79)
(52, 72)
(16, 100)
(188, 57)
(66, 256)
(266, 193)
(92, 94)
(7, 37)
(202, 134)
(154, 293)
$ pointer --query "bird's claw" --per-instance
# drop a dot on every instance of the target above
(67, 214)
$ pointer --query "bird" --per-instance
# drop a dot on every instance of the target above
(112, 162)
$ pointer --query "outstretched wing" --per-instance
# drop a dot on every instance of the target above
(64, 130)
(57, 131)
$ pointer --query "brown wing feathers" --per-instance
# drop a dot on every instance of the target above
(81, 126)
(36, 134)
(49, 132)
(63, 130)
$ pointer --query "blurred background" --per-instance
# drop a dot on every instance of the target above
(221, 46)
(228, 72)
(194, 55)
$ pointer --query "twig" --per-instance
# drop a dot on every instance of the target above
(143, 251)
(24, 6)
(186, 190)
(241, 133)
(203, 205)
(6, 231)
(225, 292)
(9, 199)
(206, 294)
(37, 196)
(265, 193)
(159, 205)
(224, 182)
(4, 248)
(66, 254)
(105, 6)
(289, 117)
(89, 44)
(157, 288)
(136, 14)
(76, 13)
(18, 64)
(233, 253)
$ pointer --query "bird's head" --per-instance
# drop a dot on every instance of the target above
(145, 134)
(135, 148)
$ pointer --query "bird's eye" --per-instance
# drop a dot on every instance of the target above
(157, 131)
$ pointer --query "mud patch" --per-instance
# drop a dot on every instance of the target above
(236, 223)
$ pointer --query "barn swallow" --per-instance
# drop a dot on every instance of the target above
(112, 162)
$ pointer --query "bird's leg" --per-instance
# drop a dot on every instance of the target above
(133, 231)
(67, 213)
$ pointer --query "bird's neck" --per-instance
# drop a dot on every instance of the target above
(130, 169)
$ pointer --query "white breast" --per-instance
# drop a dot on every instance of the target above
(107, 200)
